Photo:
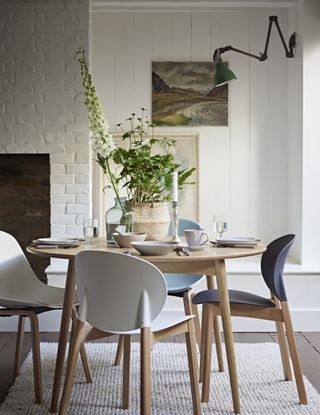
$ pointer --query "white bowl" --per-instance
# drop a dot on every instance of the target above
(124, 240)
(154, 247)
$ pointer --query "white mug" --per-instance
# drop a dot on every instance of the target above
(194, 237)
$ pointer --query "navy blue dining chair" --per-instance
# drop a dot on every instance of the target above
(246, 304)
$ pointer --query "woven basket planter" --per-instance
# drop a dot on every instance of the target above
(152, 219)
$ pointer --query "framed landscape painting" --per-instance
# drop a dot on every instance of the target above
(183, 94)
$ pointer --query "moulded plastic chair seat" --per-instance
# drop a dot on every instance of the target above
(246, 304)
(23, 294)
(235, 297)
(107, 308)
(39, 297)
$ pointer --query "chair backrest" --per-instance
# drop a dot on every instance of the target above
(118, 292)
(16, 273)
(185, 224)
(272, 264)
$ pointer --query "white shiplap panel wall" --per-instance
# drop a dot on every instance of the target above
(259, 126)
(143, 49)
(278, 135)
(124, 65)
(235, 177)
(240, 183)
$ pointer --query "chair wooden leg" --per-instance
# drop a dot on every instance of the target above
(72, 364)
(284, 351)
(126, 373)
(203, 336)
(207, 355)
(196, 321)
(119, 352)
(294, 353)
(19, 344)
(218, 342)
(36, 356)
(83, 352)
(187, 301)
(145, 372)
(211, 283)
(283, 344)
(193, 369)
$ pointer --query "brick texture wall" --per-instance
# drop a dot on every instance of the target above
(41, 98)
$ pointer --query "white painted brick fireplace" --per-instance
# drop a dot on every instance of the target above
(41, 105)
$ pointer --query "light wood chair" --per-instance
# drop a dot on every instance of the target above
(245, 304)
(182, 286)
(121, 294)
(22, 294)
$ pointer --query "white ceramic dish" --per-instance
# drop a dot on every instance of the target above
(124, 240)
(154, 247)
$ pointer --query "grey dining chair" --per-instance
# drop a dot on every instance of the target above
(22, 294)
(182, 286)
(121, 294)
(246, 304)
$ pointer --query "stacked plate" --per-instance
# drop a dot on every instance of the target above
(237, 241)
(57, 242)
(154, 247)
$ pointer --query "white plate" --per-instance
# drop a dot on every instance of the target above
(154, 247)
(56, 241)
(238, 241)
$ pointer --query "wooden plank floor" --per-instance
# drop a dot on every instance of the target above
(308, 344)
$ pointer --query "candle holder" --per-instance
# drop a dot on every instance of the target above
(175, 222)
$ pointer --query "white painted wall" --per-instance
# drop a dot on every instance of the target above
(243, 168)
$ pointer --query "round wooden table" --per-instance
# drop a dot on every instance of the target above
(209, 261)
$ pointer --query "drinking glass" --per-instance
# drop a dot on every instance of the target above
(220, 225)
(90, 230)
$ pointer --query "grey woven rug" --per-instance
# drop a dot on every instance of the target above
(262, 390)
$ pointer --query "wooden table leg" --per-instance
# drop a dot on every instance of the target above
(63, 336)
(227, 329)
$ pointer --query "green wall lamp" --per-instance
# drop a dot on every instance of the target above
(224, 75)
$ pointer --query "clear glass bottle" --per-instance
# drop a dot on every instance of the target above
(118, 218)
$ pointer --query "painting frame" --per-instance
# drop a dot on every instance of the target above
(183, 94)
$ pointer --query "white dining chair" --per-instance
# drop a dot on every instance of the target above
(22, 294)
(122, 294)
(182, 286)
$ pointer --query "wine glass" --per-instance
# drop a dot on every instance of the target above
(220, 225)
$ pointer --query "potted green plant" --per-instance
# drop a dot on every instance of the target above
(143, 165)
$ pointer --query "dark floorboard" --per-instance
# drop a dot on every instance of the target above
(308, 345)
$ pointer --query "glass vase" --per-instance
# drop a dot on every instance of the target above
(118, 218)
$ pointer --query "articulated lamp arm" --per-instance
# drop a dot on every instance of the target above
(224, 75)
(262, 56)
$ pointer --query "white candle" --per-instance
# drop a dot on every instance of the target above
(175, 186)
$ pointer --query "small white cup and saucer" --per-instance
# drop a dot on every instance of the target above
(196, 239)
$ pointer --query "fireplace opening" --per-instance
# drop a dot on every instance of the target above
(25, 201)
